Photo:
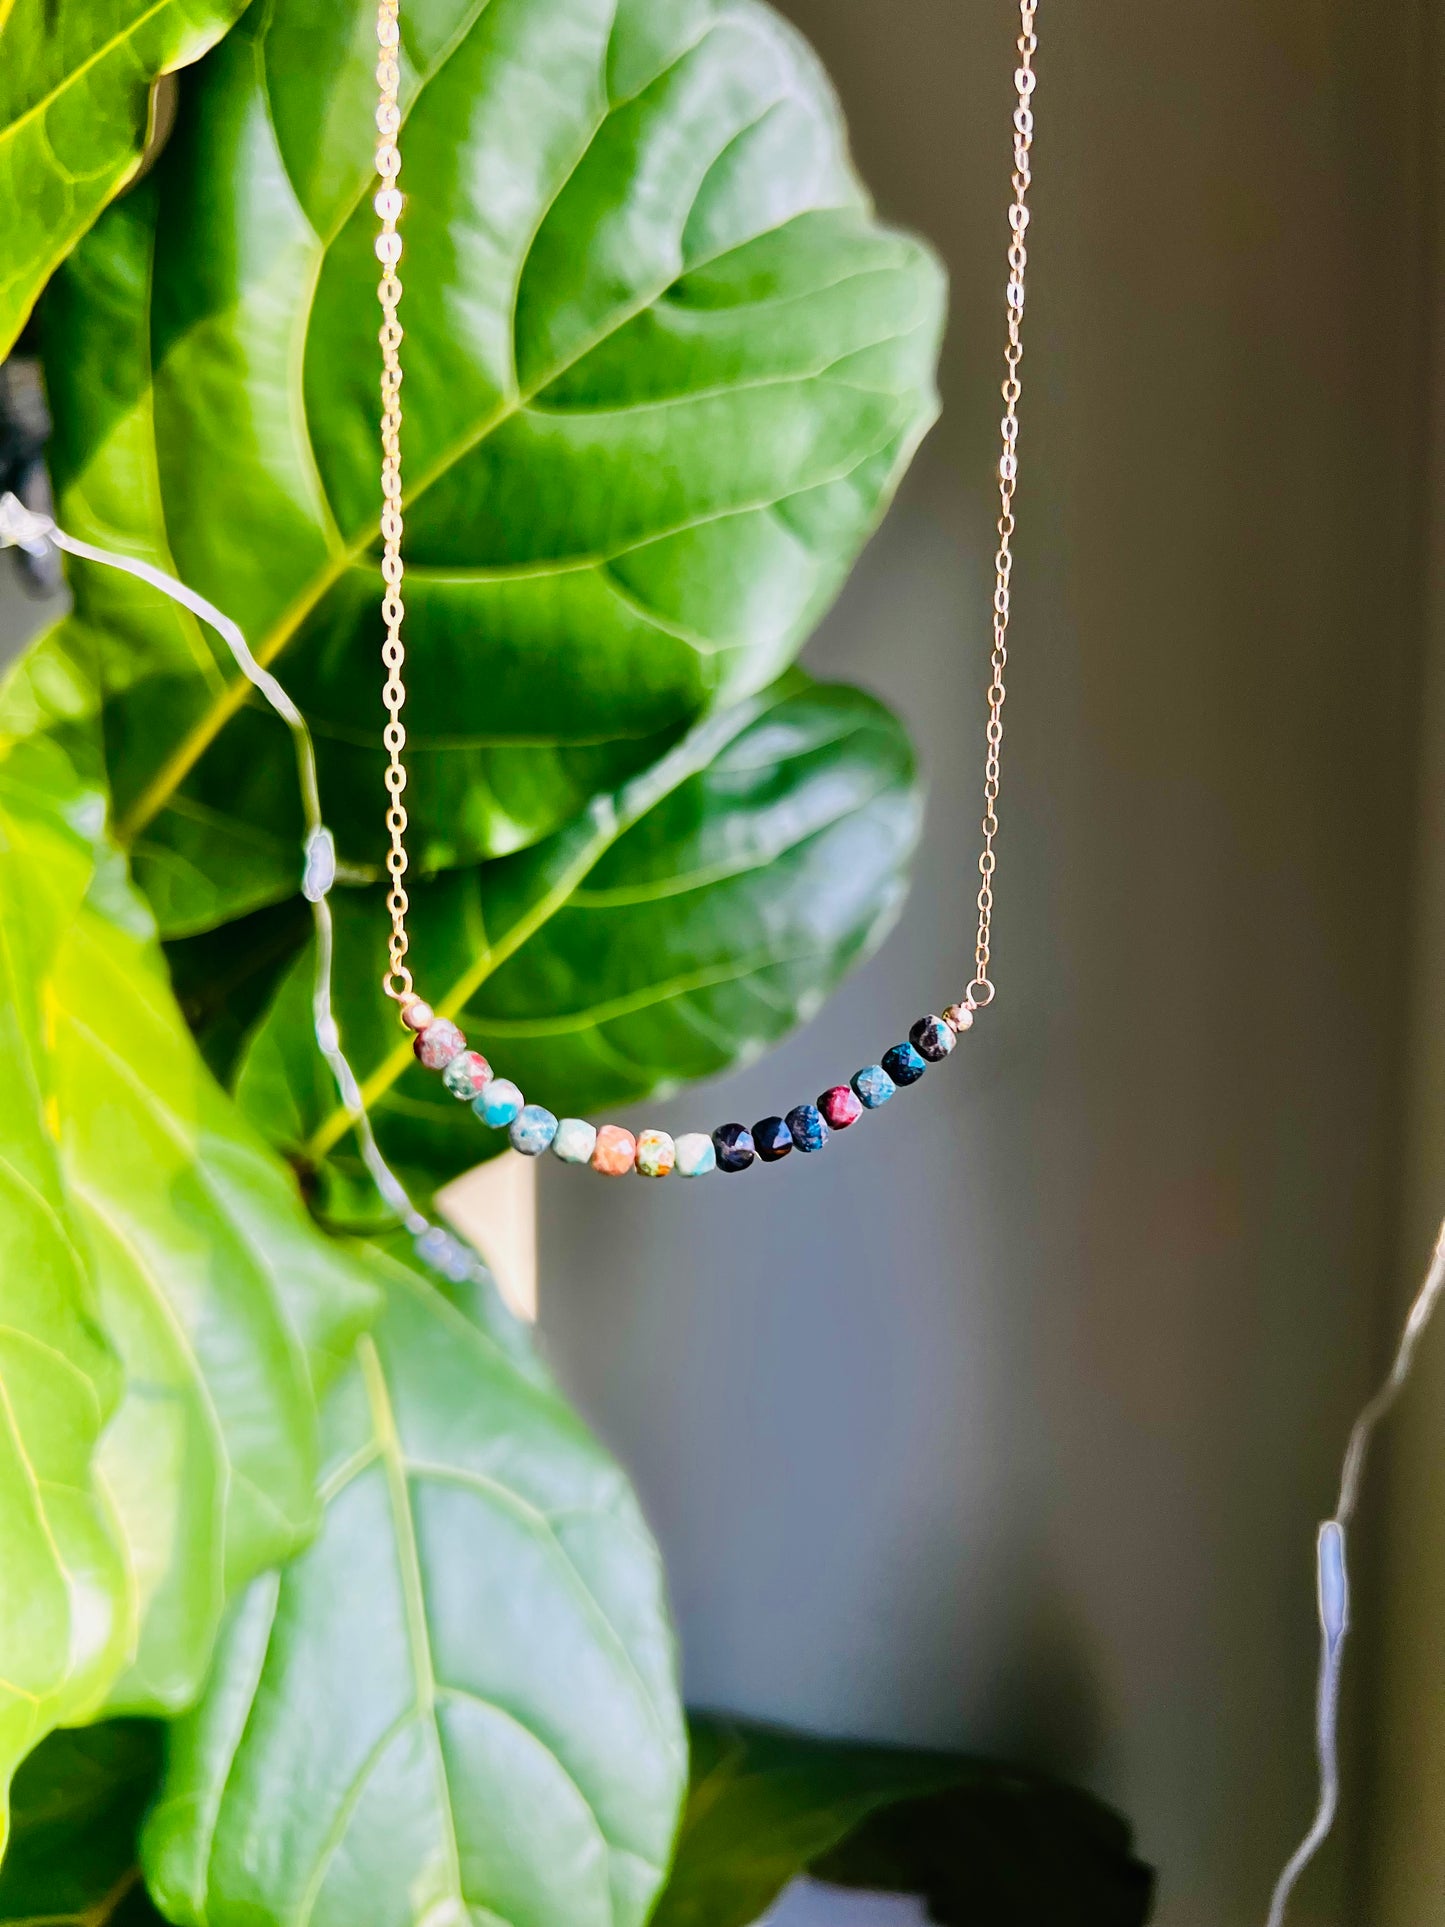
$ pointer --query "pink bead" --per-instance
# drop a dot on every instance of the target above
(417, 1015)
(840, 1108)
(439, 1043)
(615, 1151)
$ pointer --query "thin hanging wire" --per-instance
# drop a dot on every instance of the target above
(1332, 1581)
(981, 991)
(35, 533)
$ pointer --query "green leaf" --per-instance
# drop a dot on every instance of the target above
(986, 1845)
(664, 370)
(679, 926)
(135, 1196)
(65, 1607)
(458, 1704)
(76, 1811)
(74, 107)
(229, 1310)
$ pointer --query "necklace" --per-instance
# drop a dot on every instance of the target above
(439, 1043)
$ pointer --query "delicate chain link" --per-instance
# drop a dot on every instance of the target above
(981, 991)
(397, 981)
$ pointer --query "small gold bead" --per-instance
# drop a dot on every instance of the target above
(958, 1017)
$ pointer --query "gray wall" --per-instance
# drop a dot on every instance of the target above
(1007, 1425)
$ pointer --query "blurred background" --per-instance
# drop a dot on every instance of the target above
(1007, 1425)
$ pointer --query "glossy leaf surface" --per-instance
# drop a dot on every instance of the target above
(685, 923)
(66, 1610)
(981, 1842)
(75, 89)
(77, 1807)
(469, 1672)
(227, 1307)
(663, 371)
(140, 1199)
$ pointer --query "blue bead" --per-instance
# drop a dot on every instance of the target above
(499, 1103)
(807, 1128)
(773, 1139)
(932, 1038)
(533, 1129)
(872, 1086)
(734, 1146)
(903, 1064)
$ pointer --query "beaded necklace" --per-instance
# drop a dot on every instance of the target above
(439, 1043)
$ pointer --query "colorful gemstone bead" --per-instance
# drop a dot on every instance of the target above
(734, 1146)
(772, 1138)
(533, 1129)
(614, 1152)
(499, 1103)
(873, 1085)
(696, 1155)
(903, 1064)
(416, 1015)
(840, 1107)
(806, 1127)
(468, 1075)
(932, 1039)
(575, 1141)
(959, 1018)
(438, 1044)
(656, 1154)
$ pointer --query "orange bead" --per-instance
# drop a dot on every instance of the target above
(615, 1151)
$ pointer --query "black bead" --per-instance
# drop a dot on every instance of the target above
(932, 1039)
(734, 1146)
(807, 1127)
(773, 1139)
(904, 1064)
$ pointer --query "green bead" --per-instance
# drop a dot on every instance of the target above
(575, 1141)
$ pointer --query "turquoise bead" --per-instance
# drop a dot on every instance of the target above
(873, 1086)
(499, 1103)
(696, 1155)
(533, 1129)
(575, 1141)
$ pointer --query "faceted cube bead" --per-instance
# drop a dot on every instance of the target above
(806, 1127)
(873, 1085)
(438, 1044)
(614, 1152)
(903, 1064)
(772, 1138)
(734, 1146)
(656, 1154)
(468, 1075)
(575, 1141)
(533, 1129)
(932, 1039)
(499, 1103)
(696, 1155)
(840, 1108)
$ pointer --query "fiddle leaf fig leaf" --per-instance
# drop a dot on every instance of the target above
(980, 1841)
(469, 1672)
(66, 1611)
(75, 105)
(663, 371)
(678, 926)
(139, 1201)
(229, 1309)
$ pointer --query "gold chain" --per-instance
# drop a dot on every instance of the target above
(980, 991)
(397, 981)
